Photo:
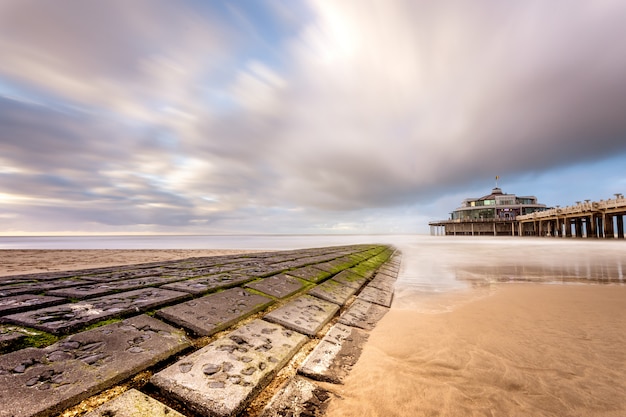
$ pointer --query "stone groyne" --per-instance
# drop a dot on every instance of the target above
(247, 335)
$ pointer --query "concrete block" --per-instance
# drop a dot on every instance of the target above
(38, 287)
(212, 313)
(363, 314)
(223, 377)
(383, 282)
(133, 403)
(310, 273)
(351, 279)
(124, 274)
(43, 382)
(376, 296)
(333, 291)
(211, 282)
(65, 318)
(279, 286)
(305, 314)
(9, 336)
(298, 397)
(261, 271)
(333, 358)
(104, 288)
(16, 303)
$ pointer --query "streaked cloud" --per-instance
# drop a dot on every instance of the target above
(298, 117)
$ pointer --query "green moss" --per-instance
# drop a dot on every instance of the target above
(102, 323)
(34, 338)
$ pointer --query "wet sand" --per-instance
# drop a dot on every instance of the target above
(16, 261)
(500, 350)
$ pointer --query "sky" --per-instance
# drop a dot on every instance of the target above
(294, 116)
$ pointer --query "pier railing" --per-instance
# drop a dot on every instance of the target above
(585, 208)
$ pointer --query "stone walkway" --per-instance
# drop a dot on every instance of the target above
(212, 332)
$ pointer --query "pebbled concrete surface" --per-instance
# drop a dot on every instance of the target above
(212, 313)
(200, 296)
(133, 403)
(221, 378)
(279, 286)
(65, 318)
(305, 314)
(42, 382)
(298, 397)
(333, 358)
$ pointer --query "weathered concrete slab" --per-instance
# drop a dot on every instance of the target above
(279, 286)
(65, 318)
(383, 282)
(221, 378)
(9, 337)
(333, 358)
(310, 273)
(333, 291)
(389, 270)
(212, 313)
(261, 271)
(133, 403)
(298, 397)
(350, 278)
(305, 314)
(43, 382)
(39, 287)
(363, 314)
(16, 303)
(376, 296)
(212, 282)
(104, 288)
(117, 275)
(336, 265)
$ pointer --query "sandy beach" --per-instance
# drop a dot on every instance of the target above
(509, 350)
(17, 261)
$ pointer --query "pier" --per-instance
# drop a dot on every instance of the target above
(590, 219)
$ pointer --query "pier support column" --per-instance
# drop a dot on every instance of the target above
(608, 226)
(568, 227)
(620, 226)
(591, 226)
(578, 226)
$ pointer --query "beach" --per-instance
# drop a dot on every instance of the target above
(498, 327)
(478, 327)
(27, 261)
(522, 350)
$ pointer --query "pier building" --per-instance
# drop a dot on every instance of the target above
(500, 214)
(494, 214)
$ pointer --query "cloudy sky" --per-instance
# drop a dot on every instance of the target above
(290, 116)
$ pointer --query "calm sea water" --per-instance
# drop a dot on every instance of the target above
(431, 264)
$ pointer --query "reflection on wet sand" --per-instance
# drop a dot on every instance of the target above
(578, 272)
